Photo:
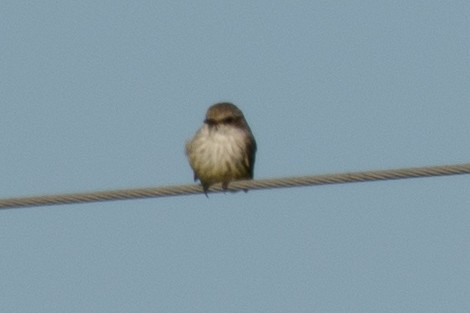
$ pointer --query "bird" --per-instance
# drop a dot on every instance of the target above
(223, 149)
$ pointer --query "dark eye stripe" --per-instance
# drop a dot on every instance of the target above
(210, 122)
(228, 120)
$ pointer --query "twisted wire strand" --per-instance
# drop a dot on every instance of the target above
(315, 180)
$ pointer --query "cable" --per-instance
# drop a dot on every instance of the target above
(236, 186)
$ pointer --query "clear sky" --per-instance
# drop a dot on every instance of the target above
(101, 95)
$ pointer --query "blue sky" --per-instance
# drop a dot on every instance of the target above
(102, 95)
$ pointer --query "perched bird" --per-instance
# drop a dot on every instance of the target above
(223, 149)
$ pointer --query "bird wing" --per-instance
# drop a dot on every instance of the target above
(250, 153)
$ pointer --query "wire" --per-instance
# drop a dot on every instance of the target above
(180, 190)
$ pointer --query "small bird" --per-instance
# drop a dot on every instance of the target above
(223, 149)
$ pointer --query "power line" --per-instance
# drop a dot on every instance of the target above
(180, 190)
